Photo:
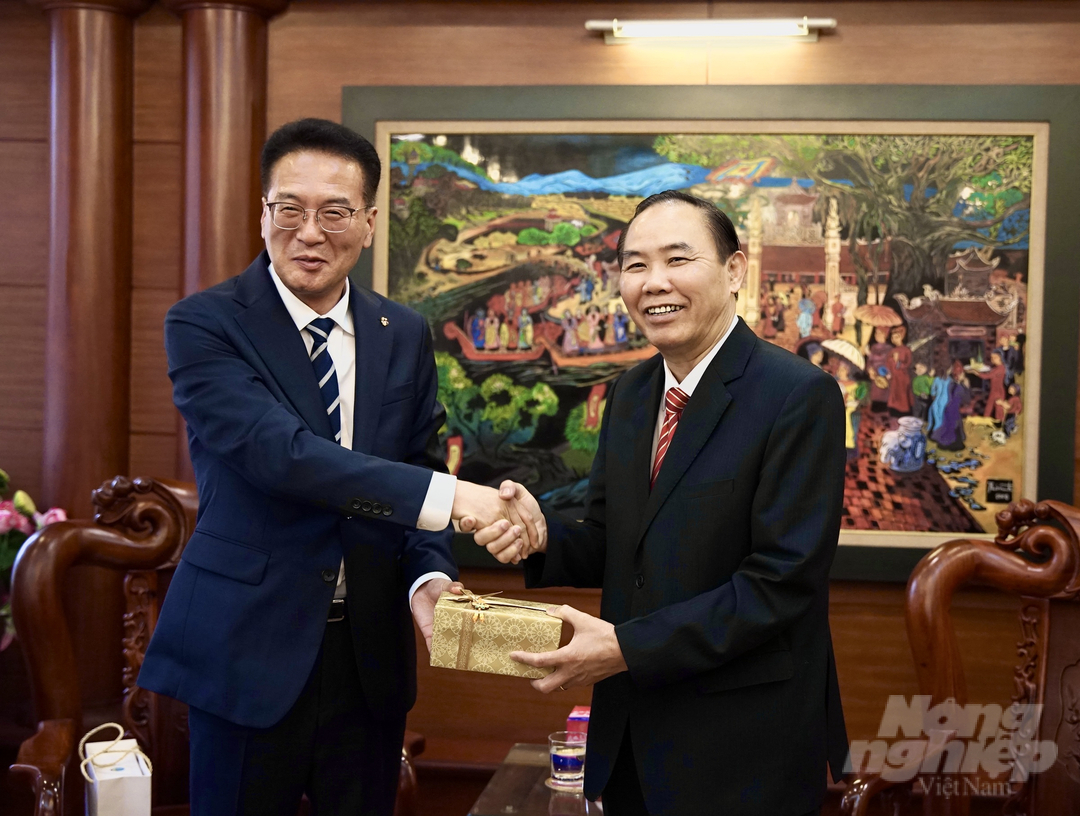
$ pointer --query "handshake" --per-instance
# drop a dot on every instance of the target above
(507, 522)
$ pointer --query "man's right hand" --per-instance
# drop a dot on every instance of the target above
(511, 510)
(499, 538)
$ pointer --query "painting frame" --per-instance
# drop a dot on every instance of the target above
(884, 555)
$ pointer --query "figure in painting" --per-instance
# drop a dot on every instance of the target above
(920, 389)
(491, 332)
(1011, 410)
(900, 397)
(950, 433)
(854, 391)
(525, 329)
(583, 330)
(996, 376)
(769, 314)
(805, 320)
(476, 329)
(593, 318)
(939, 398)
(509, 331)
(620, 320)
(837, 310)
(569, 338)
(877, 367)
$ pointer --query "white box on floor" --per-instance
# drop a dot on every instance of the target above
(121, 780)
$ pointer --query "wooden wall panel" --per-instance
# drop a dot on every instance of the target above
(873, 658)
(159, 110)
(24, 72)
(315, 48)
(918, 50)
(22, 363)
(24, 231)
(157, 219)
(456, 44)
(20, 457)
(152, 410)
(24, 188)
(152, 455)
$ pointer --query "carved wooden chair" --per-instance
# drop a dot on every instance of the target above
(140, 527)
(1037, 555)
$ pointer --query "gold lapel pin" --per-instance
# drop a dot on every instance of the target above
(384, 321)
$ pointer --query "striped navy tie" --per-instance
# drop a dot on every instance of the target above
(325, 373)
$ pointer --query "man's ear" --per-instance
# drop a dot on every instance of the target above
(736, 270)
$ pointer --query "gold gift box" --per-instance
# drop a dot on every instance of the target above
(478, 632)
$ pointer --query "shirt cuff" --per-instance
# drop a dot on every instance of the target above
(423, 579)
(439, 501)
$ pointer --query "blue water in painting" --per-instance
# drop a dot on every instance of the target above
(645, 182)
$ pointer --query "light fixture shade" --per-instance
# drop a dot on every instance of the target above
(621, 31)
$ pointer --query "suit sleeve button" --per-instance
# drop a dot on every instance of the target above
(329, 575)
(356, 504)
(376, 508)
(387, 510)
(366, 507)
(639, 580)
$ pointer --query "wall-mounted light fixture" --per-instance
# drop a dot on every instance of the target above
(621, 32)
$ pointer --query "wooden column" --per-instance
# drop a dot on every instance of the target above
(224, 130)
(88, 331)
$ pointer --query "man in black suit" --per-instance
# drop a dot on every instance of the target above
(711, 522)
(323, 518)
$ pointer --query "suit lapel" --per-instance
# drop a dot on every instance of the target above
(272, 332)
(635, 435)
(374, 344)
(699, 419)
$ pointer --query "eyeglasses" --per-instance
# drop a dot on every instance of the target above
(289, 216)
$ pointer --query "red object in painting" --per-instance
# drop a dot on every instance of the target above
(578, 720)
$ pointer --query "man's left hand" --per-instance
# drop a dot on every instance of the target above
(423, 603)
(591, 655)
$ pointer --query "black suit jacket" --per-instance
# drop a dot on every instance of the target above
(280, 503)
(717, 583)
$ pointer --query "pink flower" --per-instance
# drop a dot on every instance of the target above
(11, 519)
(53, 514)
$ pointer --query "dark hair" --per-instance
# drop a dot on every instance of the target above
(322, 136)
(723, 231)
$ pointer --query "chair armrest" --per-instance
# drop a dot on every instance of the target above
(42, 760)
(860, 790)
(414, 743)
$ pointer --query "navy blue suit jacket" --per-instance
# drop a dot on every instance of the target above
(717, 583)
(280, 503)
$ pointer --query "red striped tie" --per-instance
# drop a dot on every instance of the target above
(674, 401)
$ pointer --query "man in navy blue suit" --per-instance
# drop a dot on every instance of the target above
(324, 504)
(711, 521)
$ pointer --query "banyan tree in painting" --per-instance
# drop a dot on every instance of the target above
(897, 262)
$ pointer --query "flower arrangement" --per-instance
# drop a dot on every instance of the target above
(19, 519)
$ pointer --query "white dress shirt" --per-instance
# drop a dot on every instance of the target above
(341, 345)
(689, 383)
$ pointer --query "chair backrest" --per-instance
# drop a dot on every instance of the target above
(1036, 554)
(140, 527)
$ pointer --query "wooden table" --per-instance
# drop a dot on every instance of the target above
(518, 789)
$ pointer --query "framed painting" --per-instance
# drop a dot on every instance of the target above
(906, 257)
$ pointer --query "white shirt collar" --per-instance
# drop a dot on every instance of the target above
(302, 314)
(691, 380)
